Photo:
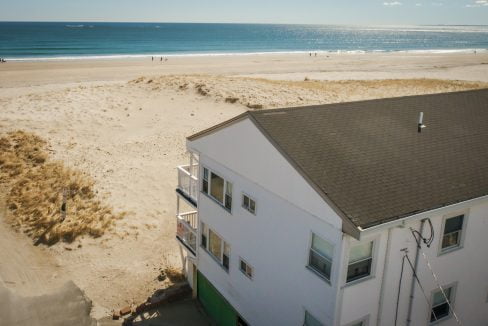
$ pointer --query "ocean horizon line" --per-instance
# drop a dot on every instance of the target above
(235, 23)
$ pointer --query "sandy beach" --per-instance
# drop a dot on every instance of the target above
(124, 123)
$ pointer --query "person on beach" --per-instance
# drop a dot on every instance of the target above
(161, 59)
(152, 58)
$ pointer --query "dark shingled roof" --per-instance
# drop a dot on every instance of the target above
(369, 161)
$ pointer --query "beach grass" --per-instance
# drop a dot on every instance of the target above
(39, 190)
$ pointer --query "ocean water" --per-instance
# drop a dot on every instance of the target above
(43, 41)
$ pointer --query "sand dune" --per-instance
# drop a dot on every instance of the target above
(258, 93)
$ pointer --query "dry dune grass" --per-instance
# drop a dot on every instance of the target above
(35, 188)
(258, 93)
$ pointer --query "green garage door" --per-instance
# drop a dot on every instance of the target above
(215, 304)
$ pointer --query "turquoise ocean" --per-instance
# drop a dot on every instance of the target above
(65, 40)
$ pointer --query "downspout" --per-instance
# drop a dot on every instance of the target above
(383, 278)
(340, 281)
(412, 286)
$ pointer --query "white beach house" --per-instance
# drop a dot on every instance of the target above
(320, 215)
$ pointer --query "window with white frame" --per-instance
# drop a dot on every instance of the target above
(360, 261)
(453, 228)
(310, 320)
(217, 187)
(216, 246)
(320, 257)
(249, 203)
(440, 304)
(245, 268)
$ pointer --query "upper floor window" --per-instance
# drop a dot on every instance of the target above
(311, 320)
(249, 203)
(320, 258)
(217, 187)
(216, 246)
(440, 304)
(453, 228)
(360, 261)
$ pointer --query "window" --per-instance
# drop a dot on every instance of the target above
(226, 256)
(204, 235)
(311, 320)
(218, 188)
(217, 247)
(320, 258)
(214, 244)
(249, 203)
(245, 268)
(228, 195)
(360, 261)
(451, 237)
(440, 306)
(205, 181)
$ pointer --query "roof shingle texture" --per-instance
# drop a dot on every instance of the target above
(369, 160)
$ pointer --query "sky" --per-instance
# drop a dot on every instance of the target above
(355, 12)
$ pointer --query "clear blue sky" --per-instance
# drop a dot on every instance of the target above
(400, 12)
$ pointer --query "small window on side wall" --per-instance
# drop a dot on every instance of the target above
(453, 228)
(360, 261)
(249, 204)
(245, 268)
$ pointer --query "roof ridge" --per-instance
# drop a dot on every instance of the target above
(322, 106)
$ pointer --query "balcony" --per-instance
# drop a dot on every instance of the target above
(188, 183)
(186, 230)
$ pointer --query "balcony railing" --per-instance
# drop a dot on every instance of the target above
(186, 230)
(188, 182)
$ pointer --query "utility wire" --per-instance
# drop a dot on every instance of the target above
(428, 242)
(420, 284)
(440, 288)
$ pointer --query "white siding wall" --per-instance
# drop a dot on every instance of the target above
(242, 148)
(275, 242)
(468, 267)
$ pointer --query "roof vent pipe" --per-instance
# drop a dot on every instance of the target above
(421, 125)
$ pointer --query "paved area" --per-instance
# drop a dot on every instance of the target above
(65, 306)
(182, 313)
